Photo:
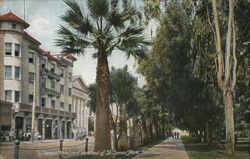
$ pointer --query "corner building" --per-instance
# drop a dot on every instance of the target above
(27, 74)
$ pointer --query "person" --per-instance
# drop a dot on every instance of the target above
(11, 134)
(24, 137)
(28, 136)
(178, 135)
(175, 134)
(1, 136)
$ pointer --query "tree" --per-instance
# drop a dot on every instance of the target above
(106, 25)
(226, 68)
(123, 88)
(92, 102)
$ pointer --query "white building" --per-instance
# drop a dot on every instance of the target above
(80, 100)
(27, 74)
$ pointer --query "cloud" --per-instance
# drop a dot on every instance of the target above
(40, 27)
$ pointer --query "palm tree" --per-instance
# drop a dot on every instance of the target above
(105, 25)
(123, 89)
(92, 102)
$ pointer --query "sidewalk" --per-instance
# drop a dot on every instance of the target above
(168, 149)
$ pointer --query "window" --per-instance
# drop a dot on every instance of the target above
(8, 72)
(31, 77)
(8, 95)
(70, 108)
(43, 82)
(31, 57)
(61, 72)
(17, 96)
(53, 84)
(53, 67)
(62, 106)
(43, 102)
(17, 73)
(70, 92)
(13, 26)
(17, 50)
(30, 98)
(43, 61)
(70, 76)
(8, 49)
(53, 104)
(62, 89)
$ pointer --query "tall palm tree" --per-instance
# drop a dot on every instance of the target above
(123, 89)
(92, 102)
(105, 25)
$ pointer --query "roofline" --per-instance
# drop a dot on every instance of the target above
(29, 37)
(21, 21)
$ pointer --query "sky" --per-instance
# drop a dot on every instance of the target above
(43, 17)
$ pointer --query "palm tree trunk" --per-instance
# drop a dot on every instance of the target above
(102, 133)
(123, 137)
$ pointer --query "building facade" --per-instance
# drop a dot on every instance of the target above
(80, 100)
(30, 75)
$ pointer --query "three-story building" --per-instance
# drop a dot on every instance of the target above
(29, 74)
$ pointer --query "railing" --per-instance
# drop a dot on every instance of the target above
(50, 73)
(28, 108)
(50, 92)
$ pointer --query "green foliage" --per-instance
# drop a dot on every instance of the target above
(105, 25)
(203, 151)
(92, 102)
(123, 87)
(187, 93)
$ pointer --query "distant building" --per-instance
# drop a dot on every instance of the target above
(23, 63)
(80, 99)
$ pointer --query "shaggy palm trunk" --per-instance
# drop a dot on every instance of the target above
(115, 139)
(123, 137)
(230, 138)
(102, 133)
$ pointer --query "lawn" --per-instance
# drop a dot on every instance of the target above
(203, 151)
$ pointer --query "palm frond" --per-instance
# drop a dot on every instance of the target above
(74, 6)
(114, 4)
(137, 52)
(70, 42)
(75, 19)
(132, 30)
(98, 8)
(118, 19)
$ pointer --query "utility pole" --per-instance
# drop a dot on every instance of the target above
(24, 9)
(33, 106)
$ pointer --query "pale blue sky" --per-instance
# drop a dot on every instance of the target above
(43, 17)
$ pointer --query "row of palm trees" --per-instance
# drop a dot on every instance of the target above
(134, 110)
(105, 25)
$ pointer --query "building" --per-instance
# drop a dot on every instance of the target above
(80, 100)
(29, 74)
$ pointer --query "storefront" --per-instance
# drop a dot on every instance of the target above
(5, 120)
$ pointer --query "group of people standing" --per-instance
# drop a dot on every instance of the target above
(175, 135)
(7, 135)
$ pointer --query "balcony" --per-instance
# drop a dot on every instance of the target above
(50, 73)
(47, 111)
(50, 92)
